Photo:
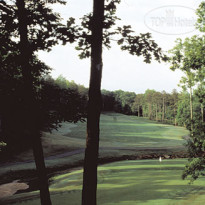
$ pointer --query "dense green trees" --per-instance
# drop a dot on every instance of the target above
(43, 29)
(188, 56)
(29, 103)
(172, 108)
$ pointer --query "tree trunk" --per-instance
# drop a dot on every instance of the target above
(94, 108)
(163, 110)
(30, 112)
(156, 112)
(150, 111)
(175, 119)
(138, 111)
(41, 169)
(202, 112)
(191, 108)
(143, 110)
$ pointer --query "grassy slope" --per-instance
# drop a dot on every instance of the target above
(119, 130)
(120, 135)
(131, 182)
(131, 131)
(121, 182)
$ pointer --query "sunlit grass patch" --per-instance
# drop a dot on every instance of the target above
(131, 182)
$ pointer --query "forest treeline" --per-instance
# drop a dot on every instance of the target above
(63, 100)
(171, 108)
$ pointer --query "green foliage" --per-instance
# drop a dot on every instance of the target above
(196, 147)
(2, 144)
(188, 56)
(141, 45)
(183, 111)
(108, 99)
(53, 104)
(59, 104)
(44, 26)
(200, 20)
(152, 104)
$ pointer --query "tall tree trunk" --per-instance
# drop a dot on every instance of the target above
(191, 108)
(41, 169)
(175, 119)
(150, 111)
(156, 112)
(138, 111)
(202, 112)
(143, 110)
(94, 108)
(30, 112)
(163, 110)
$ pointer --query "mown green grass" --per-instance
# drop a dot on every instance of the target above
(120, 135)
(119, 130)
(130, 183)
(119, 183)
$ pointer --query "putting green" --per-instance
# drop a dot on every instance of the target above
(130, 183)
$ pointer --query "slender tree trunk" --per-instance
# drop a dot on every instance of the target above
(41, 169)
(94, 108)
(175, 119)
(143, 111)
(138, 111)
(30, 112)
(163, 110)
(156, 112)
(150, 110)
(202, 112)
(191, 108)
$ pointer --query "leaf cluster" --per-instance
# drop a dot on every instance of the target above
(141, 45)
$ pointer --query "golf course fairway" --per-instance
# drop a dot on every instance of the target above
(128, 183)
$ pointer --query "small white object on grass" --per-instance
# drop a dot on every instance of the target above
(160, 159)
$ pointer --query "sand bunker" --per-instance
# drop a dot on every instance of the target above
(10, 189)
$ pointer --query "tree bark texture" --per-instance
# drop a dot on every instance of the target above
(94, 107)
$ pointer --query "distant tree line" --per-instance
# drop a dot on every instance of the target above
(64, 100)
(172, 108)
